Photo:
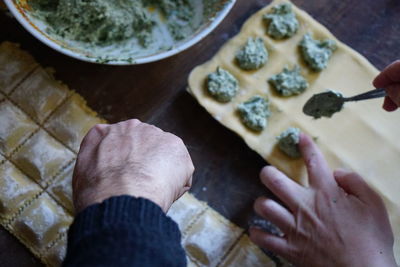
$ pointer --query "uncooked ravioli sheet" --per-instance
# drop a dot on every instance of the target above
(362, 137)
(42, 124)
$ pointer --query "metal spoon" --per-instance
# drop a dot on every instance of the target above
(327, 103)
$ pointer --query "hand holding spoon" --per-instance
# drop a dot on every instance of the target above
(327, 103)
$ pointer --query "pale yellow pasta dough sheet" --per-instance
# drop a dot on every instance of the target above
(362, 137)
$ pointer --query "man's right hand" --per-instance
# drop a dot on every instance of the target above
(389, 79)
(131, 158)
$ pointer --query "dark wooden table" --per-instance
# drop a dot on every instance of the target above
(226, 169)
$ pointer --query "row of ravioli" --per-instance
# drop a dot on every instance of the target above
(42, 121)
(211, 240)
(42, 124)
(40, 141)
(33, 214)
(281, 24)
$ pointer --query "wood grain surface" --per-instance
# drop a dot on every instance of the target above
(226, 170)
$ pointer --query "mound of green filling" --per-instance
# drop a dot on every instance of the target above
(179, 14)
(222, 85)
(324, 104)
(103, 22)
(282, 22)
(288, 142)
(289, 82)
(253, 55)
(254, 113)
(316, 53)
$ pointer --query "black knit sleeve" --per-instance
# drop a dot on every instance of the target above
(124, 231)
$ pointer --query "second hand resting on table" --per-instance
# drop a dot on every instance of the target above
(337, 221)
(128, 174)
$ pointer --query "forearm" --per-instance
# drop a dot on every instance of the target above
(124, 231)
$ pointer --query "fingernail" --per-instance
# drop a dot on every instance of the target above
(389, 105)
(266, 168)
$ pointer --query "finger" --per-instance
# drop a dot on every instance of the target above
(390, 75)
(270, 242)
(88, 146)
(354, 184)
(182, 191)
(191, 167)
(275, 213)
(125, 127)
(133, 122)
(319, 173)
(393, 92)
(288, 191)
(389, 105)
(189, 182)
(94, 136)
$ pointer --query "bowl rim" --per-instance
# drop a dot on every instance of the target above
(142, 60)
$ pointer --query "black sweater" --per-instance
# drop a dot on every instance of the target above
(124, 231)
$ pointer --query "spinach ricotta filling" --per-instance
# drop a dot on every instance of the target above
(288, 142)
(289, 82)
(253, 55)
(254, 113)
(316, 53)
(281, 22)
(103, 22)
(324, 104)
(222, 85)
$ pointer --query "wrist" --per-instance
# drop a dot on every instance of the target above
(97, 195)
(153, 197)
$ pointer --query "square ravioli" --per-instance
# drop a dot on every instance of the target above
(56, 254)
(15, 189)
(41, 222)
(245, 253)
(15, 127)
(210, 238)
(185, 210)
(15, 66)
(39, 95)
(72, 121)
(61, 188)
(42, 157)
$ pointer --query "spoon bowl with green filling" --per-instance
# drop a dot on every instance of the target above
(122, 32)
(328, 103)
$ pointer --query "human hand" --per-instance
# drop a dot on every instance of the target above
(389, 79)
(337, 221)
(131, 158)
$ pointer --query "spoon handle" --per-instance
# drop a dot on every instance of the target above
(380, 92)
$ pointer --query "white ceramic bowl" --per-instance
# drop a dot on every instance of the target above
(119, 53)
